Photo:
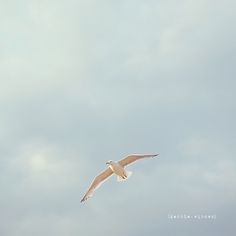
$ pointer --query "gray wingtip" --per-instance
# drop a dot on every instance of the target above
(83, 199)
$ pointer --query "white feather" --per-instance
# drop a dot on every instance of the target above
(128, 174)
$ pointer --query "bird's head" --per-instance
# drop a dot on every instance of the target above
(109, 162)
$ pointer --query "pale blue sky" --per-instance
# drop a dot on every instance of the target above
(83, 82)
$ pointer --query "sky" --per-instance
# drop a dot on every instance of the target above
(85, 81)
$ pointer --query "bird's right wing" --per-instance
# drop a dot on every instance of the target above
(134, 157)
(97, 183)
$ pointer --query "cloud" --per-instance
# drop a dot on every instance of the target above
(83, 82)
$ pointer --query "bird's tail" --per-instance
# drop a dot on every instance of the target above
(128, 174)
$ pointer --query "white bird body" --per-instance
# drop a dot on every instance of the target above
(119, 170)
(116, 168)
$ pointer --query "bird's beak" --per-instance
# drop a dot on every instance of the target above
(107, 163)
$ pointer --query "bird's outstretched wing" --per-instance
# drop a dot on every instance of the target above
(97, 183)
(134, 157)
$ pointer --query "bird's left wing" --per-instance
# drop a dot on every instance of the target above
(134, 157)
(97, 183)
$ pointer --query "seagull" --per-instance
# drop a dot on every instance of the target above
(116, 168)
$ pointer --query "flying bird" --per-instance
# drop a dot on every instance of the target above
(117, 168)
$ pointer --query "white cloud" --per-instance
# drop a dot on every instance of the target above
(85, 81)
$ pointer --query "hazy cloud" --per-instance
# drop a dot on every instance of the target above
(83, 82)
